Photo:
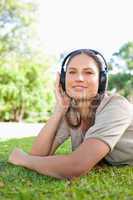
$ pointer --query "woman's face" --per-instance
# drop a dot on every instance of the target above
(82, 77)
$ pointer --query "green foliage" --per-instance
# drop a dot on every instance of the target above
(26, 87)
(17, 24)
(122, 62)
(126, 53)
(123, 83)
(103, 183)
(24, 93)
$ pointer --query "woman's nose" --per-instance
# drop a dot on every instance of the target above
(80, 77)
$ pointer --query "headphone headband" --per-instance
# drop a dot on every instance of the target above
(85, 50)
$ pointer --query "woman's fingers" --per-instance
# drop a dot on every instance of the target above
(58, 89)
(63, 101)
(57, 81)
(57, 78)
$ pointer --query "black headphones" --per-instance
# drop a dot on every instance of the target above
(103, 71)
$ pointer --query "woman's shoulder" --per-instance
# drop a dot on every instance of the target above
(117, 98)
(116, 101)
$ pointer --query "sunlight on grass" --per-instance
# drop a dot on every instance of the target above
(18, 183)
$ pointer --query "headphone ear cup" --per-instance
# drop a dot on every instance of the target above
(62, 79)
(102, 82)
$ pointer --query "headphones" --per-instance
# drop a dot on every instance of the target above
(103, 71)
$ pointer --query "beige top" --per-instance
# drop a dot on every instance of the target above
(113, 125)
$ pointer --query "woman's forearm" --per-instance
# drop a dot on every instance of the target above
(60, 166)
(43, 142)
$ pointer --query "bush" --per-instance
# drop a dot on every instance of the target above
(24, 93)
(122, 83)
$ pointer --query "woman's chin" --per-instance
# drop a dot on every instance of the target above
(80, 95)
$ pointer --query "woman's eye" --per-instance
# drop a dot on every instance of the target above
(89, 73)
(71, 72)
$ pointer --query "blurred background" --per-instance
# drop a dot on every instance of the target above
(34, 34)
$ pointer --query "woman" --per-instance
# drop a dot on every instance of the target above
(100, 125)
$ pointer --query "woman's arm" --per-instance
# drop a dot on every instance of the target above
(45, 143)
(79, 162)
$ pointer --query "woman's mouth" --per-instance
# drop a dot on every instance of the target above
(79, 88)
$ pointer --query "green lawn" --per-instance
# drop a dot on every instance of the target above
(18, 183)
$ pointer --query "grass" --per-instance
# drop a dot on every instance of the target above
(17, 183)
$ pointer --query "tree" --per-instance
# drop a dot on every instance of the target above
(25, 80)
(17, 20)
(122, 62)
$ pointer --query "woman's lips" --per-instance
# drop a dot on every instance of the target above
(79, 88)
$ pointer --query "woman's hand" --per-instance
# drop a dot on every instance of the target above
(62, 100)
(17, 157)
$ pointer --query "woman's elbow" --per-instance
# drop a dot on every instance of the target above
(79, 169)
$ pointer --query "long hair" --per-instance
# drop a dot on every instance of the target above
(73, 116)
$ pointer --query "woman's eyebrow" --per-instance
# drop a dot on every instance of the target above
(86, 68)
